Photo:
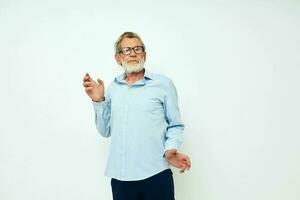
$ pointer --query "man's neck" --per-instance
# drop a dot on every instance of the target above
(134, 77)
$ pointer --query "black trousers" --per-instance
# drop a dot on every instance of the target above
(157, 187)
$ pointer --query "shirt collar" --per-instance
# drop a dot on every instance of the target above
(121, 78)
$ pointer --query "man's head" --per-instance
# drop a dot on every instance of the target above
(130, 52)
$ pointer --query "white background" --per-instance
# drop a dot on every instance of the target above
(236, 67)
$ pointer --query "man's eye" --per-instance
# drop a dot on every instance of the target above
(125, 50)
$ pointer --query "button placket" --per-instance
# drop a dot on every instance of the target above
(125, 121)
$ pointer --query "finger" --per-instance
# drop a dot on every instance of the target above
(100, 81)
(87, 83)
(183, 167)
(185, 162)
(88, 89)
(86, 77)
(182, 170)
(189, 162)
(187, 166)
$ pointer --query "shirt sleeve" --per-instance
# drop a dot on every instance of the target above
(172, 114)
(102, 115)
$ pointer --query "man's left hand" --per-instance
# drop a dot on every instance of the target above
(178, 160)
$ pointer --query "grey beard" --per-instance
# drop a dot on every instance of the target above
(133, 68)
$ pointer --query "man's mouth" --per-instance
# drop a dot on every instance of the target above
(133, 61)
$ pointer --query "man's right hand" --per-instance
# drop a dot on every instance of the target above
(93, 89)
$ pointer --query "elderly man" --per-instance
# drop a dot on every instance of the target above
(139, 112)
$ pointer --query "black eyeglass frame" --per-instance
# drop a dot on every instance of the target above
(132, 48)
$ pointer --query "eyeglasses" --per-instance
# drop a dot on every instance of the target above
(136, 49)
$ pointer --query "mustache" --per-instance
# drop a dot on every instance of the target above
(134, 61)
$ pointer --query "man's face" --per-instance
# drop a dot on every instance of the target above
(134, 57)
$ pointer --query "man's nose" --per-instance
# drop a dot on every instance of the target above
(132, 53)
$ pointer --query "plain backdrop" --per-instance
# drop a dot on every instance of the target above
(235, 65)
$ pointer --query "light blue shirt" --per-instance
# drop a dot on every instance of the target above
(143, 121)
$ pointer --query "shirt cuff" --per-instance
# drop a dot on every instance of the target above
(171, 145)
(98, 106)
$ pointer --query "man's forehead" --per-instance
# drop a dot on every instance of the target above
(130, 42)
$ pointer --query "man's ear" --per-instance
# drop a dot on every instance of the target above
(118, 59)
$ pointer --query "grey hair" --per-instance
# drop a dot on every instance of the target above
(126, 35)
